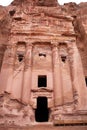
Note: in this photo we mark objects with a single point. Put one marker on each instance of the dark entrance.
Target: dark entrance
(42, 112)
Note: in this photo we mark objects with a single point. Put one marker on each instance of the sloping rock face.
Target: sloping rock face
(41, 47)
(80, 25)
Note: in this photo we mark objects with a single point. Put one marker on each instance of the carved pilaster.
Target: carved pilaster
(78, 79)
(58, 99)
(28, 56)
(7, 69)
(27, 74)
(65, 74)
(9, 56)
(11, 52)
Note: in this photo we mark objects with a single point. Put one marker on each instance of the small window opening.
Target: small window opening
(20, 57)
(12, 12)
(63, 58)
(42, 54)
(86, 80)
(42, 81)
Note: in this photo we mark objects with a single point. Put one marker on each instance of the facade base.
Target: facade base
(74, 119)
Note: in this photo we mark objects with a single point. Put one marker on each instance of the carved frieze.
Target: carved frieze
(42, 92)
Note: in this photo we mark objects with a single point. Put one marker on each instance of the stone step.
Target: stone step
(46, 127)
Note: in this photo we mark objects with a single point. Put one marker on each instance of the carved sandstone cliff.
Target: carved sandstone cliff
(39, 42)
(80, 25)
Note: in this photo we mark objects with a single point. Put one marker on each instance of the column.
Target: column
(11, 67)
(7, 70)
(67, 83)
(58, 99)
(78, 79)
(27, 75)
(18, 75)
(66, 75)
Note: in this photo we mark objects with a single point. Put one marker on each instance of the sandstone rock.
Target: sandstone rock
(42, 77)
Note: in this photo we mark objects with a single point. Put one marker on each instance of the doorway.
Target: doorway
(42, 111)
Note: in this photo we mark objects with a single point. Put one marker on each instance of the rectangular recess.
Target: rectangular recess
(42, 81)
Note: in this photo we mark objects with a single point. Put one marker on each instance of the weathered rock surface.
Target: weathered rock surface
(41, 40)
(80, 25)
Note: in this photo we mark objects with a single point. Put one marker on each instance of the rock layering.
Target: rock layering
(43, 62)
